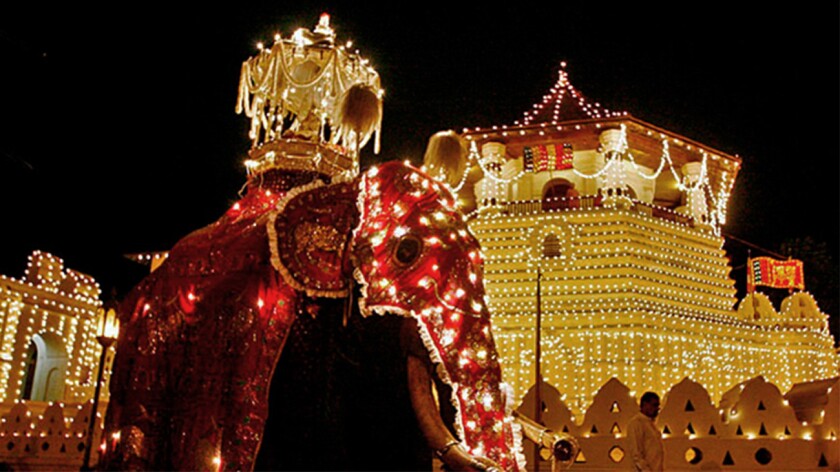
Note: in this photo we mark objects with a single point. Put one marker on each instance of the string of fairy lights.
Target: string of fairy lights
(664, 358)
(698, 186)
(562, 90)
(633, 231)
(625, 276)
(590, 245)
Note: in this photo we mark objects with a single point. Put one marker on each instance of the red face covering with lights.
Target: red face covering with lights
(416, 257)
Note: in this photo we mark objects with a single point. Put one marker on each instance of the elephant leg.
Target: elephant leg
(302, 431)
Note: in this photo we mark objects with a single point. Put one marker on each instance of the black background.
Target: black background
(119, 133)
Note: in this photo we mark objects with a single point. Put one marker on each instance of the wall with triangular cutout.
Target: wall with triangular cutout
(758, 409)
(757, 417)
(689, 403)
(612, 405)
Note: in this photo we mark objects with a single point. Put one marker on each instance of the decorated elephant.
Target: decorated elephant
(330, 319)
(202, 335)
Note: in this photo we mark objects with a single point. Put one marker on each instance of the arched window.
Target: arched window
(29, 373)
(551, 246)
(556, 194)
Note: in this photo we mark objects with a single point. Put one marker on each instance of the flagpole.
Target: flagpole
(751, 283)
(538, 369)
(790, 288)
(749, 274)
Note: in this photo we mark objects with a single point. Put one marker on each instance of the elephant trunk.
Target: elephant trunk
(446, 448)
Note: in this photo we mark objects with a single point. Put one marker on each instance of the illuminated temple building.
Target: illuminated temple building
(613, 226)
(622, 222)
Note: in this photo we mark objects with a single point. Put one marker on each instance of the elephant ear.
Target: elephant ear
(309, 234)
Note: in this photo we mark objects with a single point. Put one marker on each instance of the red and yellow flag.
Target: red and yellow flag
(774, 273)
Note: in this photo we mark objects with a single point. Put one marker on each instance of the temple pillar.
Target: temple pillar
(490, 192)
(695, 198)
(588, 163)
(614, 187)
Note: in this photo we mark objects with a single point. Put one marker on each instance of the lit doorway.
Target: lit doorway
(46, 369)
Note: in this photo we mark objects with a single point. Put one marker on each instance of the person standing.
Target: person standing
(644, 439)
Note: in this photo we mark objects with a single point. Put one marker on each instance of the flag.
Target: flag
(528, 158)
(566, 159)
(544, 157)
(775, 273)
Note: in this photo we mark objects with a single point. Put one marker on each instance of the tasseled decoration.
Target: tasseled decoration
(360, 114)
(446, 158)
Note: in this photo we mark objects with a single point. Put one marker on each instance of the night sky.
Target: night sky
(119, 131)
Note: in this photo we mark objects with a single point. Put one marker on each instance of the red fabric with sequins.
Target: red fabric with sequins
(202, 334)
(199, 340)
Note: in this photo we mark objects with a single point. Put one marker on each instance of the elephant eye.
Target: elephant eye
(408, 250)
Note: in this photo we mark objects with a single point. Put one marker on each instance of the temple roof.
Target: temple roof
(565, 103)
(565, 116)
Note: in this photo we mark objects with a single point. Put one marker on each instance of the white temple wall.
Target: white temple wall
(48, 436)
(644, 188)
(753, 428)
(59, 309)
(522, 189)
(588, 163)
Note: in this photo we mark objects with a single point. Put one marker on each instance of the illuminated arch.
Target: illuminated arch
(46, 369)
(556, 194)
(552, 246)
(553, 243)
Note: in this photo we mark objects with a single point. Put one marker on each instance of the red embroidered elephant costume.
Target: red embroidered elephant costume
(203, 333)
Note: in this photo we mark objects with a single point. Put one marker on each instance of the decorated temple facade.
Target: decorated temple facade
(613, 227)
(51, 318)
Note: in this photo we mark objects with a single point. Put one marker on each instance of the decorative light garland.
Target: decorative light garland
(677, 278)
(614, 170)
